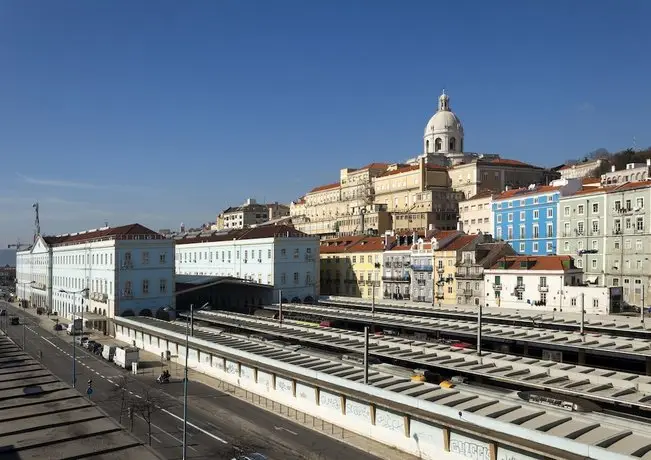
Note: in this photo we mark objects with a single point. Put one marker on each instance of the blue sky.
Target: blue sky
(166, 112)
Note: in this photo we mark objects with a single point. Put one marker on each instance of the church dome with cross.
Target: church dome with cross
(444, 131)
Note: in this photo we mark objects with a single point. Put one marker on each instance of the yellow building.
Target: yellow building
(445, 266)
(351, 266)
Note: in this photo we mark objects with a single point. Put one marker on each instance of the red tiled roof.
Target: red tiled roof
(408, 168)
(588, 190)
(482, 194)
(266, 231)
(368, 244)
(124, 232)
(560, 263)
(632, 186)
(590, 180)
(507, 162)
(321, 188)
(374, 166)
(525, 191)
(459, 243)
(338, 245)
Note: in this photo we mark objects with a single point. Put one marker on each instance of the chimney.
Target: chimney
(459, 226)
(612, 168)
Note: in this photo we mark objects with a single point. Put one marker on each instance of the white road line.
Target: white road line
(156, 439)
(216, 438)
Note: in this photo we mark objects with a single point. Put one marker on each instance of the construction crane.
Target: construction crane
(18, 245)
(37, 223)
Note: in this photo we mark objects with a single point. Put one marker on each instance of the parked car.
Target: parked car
(81, 340)
(90, 344)
(251, 456)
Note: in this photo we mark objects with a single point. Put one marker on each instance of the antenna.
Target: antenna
(37, 223)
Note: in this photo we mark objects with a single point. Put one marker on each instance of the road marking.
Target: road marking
(156, 439)
(216, 438)
(281, 428)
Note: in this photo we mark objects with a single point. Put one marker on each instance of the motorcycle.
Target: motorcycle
(163, 378)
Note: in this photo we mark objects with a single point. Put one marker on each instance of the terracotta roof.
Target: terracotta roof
(321, 188)
(266, 231)
(368, 244)
(525, 191)
(338, 245)
(124, 232)
(459, 243)
(590, 180)
(589, 190)
(443, 234)
(631, 186)
(560, 263)
(482, 194)
(374, 166)
(507, 162)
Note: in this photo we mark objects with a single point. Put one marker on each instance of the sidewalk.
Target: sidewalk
(151, 364)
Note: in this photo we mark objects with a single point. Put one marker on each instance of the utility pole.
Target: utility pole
(479, 321)
(192, 320)
(366, 355)
(185, 389)
(24, 327)
(642, 308)
(280, 307)
(583, 313)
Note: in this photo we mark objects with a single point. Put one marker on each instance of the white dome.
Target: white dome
(444, 132)
(443, 123)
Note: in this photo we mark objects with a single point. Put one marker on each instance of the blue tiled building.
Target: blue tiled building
(527, 218)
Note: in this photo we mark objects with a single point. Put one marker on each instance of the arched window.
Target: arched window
(453, 144)
(437, 144)
(427, 146)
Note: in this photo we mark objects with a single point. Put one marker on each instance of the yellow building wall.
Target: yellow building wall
(448, 260)
(363, 265)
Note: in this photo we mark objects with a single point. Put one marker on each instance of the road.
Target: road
(220, 426)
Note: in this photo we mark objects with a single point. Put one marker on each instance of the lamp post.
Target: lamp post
(74, 340)
(189, 321)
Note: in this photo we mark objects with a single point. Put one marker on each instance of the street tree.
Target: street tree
(147, 405)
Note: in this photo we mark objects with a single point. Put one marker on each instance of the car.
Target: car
(90, 344)
(58, 327)
(15, 320)
(251, 456)
(81, 340)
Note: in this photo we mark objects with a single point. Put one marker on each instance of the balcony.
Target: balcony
(421, 282)
(497, 287)
(466, 292)
(422, 268)
(440, 295)
(396, 296)
(39, 286)
(519, 287)
(127, 264)
(542, 288)
(440, 270)
(469, 273)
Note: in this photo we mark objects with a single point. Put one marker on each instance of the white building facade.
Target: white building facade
(476, 213)
(279, 256)
(545, 283)
(108, 272)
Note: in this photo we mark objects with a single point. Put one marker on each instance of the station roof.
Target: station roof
(583, 381)
(637, 349)
(40, 415)
(187, 281)
(613, 435)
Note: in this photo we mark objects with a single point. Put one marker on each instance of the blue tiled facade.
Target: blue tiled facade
(527, 219)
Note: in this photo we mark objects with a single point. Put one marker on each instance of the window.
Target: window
(566, 211)
(162, 286)
(628, 205)
(498, 233)
(566, 246)
(543, 281)
(308, 278)
(283, 279)
(595, 303)
(510, 217)
(550, 230)
(580, 228)
(361, 259)
(550, 213)
(522, 232)
(566, 229)
(536, 214)
(639, 203)
(615, 281)
(145, 257)
(580, 209)
(295, 277)
(594, 264)
(522, 217)
(535, 200)
(618, 226)
(536, 231)
(535, 247)
(543, 298)
(628, 223)
(639, 224)
(550, 246)
(296, 253)
(616, 245)
(283, 252)
(509, 232)
(354, 259)
(522, 248)
(595, 244)
(268, 253)
(638, 245)
(519, 295)
(618, 205)
(498, 280)
(246, 256)
(573, 301)
(595, 208)
(145, 286)
(499, 218)
(595, 227)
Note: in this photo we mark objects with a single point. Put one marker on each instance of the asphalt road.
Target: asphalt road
(219, 426)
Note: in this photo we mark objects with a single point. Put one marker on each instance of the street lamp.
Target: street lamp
(74, 340)
(185, 379)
